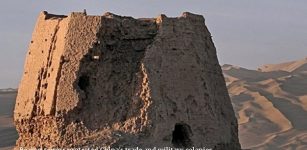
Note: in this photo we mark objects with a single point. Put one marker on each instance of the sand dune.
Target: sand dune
(294, 66)
(8, 134)
(270, 104)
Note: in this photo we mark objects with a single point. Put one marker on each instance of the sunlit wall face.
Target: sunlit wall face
(246, 33)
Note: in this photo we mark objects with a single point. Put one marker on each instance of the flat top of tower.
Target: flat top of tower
(187, 15)
(52, 16)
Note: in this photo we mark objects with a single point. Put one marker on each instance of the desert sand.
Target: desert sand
(8, 134)
(270, 104)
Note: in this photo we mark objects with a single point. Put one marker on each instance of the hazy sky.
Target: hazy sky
(247, 33)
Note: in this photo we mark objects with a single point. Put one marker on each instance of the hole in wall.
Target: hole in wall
(83, 82)
(96, 54)
(181, 135)
(96, 57)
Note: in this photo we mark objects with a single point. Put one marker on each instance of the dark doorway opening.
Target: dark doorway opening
(181, 136)
(83, 82)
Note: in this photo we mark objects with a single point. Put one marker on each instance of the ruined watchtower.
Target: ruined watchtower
(118, 81)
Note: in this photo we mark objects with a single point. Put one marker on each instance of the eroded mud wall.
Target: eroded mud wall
(118, 81)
